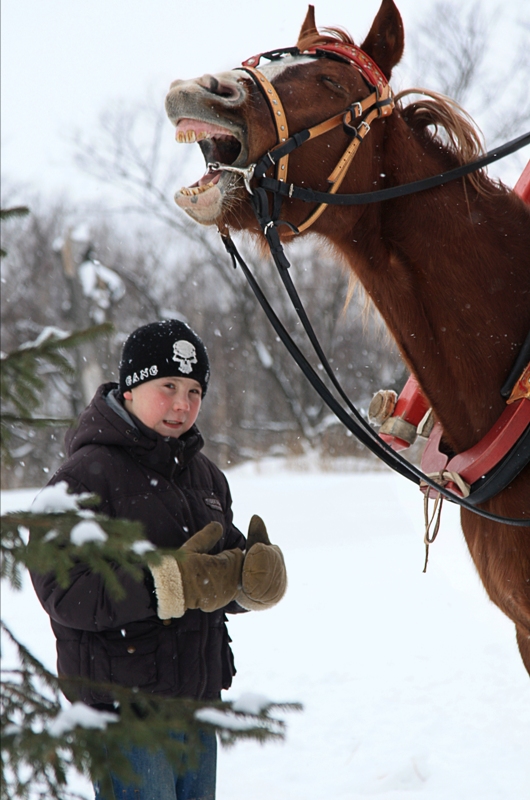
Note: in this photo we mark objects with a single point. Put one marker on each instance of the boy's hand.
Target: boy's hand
(198, 580)
(264, 579)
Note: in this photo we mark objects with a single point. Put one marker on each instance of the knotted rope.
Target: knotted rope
(443, 478)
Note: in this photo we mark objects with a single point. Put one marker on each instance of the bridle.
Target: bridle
(378, 103)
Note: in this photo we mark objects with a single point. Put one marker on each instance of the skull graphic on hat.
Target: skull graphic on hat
(185, 354)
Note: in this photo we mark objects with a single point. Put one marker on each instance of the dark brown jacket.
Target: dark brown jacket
(174, 490)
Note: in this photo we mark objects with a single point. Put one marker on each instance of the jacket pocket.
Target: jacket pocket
(126, 661)
(134, 663)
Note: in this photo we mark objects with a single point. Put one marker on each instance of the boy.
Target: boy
(137, 447)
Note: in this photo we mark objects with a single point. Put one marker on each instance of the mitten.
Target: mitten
(196, 579)
(264, 579)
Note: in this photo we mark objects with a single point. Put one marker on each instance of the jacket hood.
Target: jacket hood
(105, 422)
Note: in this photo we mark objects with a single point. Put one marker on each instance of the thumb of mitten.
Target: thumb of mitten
(257, 532)
(204, 540)
(264, 577)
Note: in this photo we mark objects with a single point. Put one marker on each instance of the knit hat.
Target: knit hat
(163, 349)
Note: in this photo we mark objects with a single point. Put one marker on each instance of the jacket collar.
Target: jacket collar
(105, 421)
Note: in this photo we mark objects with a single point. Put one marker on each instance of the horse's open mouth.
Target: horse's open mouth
(217, 144)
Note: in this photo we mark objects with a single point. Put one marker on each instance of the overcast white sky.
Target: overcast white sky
(64, 61)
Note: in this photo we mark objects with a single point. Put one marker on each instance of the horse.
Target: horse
(448, 268)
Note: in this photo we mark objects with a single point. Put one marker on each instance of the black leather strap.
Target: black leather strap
(362, 198)
(354, 422)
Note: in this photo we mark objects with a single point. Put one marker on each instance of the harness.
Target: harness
(378, 103)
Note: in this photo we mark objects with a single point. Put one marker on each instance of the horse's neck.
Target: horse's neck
(449, 272)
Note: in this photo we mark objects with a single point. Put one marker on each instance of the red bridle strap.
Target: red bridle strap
(357, 57)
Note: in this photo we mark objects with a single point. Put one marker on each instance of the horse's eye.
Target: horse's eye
(332, 84)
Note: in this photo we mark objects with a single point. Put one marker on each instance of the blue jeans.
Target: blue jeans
(161, 782)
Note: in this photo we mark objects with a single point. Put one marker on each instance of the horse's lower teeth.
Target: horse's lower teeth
(191, 190)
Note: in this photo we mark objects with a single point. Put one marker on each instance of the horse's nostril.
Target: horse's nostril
(221, 88)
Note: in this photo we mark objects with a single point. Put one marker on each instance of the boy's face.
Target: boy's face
(169, 406)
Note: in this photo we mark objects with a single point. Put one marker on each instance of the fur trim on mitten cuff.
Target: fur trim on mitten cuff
(169, 588)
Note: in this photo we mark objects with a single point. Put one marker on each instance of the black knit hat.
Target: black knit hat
(163, 349)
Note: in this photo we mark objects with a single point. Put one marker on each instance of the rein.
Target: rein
(354, 422)
(378, 104)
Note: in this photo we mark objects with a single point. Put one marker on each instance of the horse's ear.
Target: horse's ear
(386, 39)
(308, 29)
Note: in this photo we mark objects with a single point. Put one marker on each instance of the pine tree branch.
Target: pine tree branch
(50, 548)
(42, 741)
(20, 382)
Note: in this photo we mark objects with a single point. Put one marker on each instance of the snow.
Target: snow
(79, 714)
(53, 499)
(142, 546)
(251, 703)
(263, 354)
(100, 283)
(87, 531)
(49, 332)
(225, 719)
(411, 683)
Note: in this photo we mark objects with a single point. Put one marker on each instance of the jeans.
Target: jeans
(161, 782)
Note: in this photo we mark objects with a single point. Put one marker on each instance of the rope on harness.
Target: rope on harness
(443, 478)
(436, 518)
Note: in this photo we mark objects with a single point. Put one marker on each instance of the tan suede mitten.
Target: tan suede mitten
(197, 579)
(264, 580)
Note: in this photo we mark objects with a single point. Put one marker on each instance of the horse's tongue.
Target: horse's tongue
(187, 126)
(209, 177)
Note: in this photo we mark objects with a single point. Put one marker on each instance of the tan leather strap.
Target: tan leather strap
(339, 173)
(356, 110)
(278, 114)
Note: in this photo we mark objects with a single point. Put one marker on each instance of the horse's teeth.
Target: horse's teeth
(189, 191)
(190, 136)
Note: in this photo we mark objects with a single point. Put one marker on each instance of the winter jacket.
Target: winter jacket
(174, 490)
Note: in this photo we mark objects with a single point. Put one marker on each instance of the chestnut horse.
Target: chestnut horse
(448, 268)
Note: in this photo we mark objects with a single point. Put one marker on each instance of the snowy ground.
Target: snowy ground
(412, 684)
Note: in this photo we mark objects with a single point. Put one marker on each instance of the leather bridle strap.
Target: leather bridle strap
(380, 195)
(339, 173)
(278, 115)
(379, 103)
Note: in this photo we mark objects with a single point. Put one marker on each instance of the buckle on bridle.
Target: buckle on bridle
(247, 173)
(356, 110)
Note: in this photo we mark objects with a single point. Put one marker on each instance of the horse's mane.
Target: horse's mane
(439, 121)
(315, 38)
(442, 122)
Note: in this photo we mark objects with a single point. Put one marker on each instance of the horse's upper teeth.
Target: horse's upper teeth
(188, 137)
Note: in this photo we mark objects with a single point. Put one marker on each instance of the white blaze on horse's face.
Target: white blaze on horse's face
(273, 69)
(209, 111)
